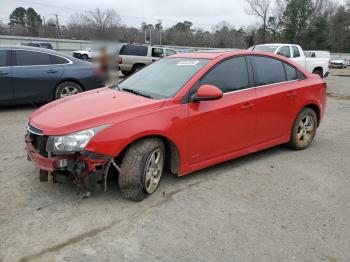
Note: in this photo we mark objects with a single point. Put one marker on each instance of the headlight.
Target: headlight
(74, 142)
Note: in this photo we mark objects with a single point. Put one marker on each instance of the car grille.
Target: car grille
(34, 130)
(39, 141)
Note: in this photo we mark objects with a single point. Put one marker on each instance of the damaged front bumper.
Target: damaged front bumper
(83, 168)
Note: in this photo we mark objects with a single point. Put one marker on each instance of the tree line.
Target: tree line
(314, 24)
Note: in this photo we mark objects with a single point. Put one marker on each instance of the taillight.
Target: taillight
(120, 60)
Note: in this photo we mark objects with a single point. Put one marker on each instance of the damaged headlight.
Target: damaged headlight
(74, 142)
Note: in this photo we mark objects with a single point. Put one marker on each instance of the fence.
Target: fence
(61, 45)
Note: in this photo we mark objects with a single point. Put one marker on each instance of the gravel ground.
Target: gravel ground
(275, 205)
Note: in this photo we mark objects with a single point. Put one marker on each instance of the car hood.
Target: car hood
(90, 109)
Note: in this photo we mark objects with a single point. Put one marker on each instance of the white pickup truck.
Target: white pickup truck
(318, 66)
(133, 57)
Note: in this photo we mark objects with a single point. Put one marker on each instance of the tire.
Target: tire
(138, 170)
(84, 57)
(318, 72)
(304, 129)
(137, 67)
(67, 88)
(126, 73)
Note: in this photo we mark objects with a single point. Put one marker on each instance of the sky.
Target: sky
(203, 14)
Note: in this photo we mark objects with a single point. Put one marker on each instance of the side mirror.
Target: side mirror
(206, 93)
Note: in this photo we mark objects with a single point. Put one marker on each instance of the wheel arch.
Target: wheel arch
(172, 154)
(67, 80)
(319, 68)
(314, 107)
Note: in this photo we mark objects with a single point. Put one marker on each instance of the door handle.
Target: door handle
(51, 71)
(247, 106)
(2, 73)
(292, 94)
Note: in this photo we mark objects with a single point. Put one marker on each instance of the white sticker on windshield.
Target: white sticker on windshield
(188, 62)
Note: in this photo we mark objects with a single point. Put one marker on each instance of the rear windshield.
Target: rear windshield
(134, 50)
(265, 48)
(164, 78)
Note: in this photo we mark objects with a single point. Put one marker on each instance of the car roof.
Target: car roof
(215, 54)
(203, 54)
(24, 47)
(44, 50)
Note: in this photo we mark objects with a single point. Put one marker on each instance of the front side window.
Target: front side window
(164, 78)
(27, 58)
(296, 52)
(3, 58)
(268, 70)
(230, 75)
(169, 52)
(284, 51)
(157, 52)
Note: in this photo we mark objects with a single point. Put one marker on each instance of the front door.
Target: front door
(34, 76)
(225, 125)
(5, 76)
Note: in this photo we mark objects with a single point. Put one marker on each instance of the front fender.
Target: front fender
(169, 123)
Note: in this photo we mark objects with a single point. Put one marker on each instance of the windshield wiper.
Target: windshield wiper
(115, 87)
(136, 92)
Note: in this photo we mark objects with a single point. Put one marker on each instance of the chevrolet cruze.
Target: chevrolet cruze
(182, 114)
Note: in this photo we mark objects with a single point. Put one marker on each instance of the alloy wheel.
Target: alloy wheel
(153, 170)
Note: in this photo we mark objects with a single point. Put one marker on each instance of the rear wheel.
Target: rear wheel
(67, 88)
(304, 129)
(84, 57)
(137, 67)
(141, 169)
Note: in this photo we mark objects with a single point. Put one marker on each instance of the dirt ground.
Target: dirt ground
(275, 205)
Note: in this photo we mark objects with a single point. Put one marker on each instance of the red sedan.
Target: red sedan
(182, 113)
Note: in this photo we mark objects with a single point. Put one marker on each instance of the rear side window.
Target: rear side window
(268, 70)
(296, 52)
(134, 50)
(284, 51)
(291, 72)
(26, 58)
(3, 58)
(229, 75)
(57, 60)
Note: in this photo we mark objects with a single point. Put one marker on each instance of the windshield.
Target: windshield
(265, 48)
(164, 78)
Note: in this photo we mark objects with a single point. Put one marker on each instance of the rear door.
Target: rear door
(6, 92)
(34, 75)
(276, 91)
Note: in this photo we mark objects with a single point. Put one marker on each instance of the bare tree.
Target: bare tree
(103, 19)
(261, 10)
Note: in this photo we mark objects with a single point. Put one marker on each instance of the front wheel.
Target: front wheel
(141, 169)
(304, 129)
